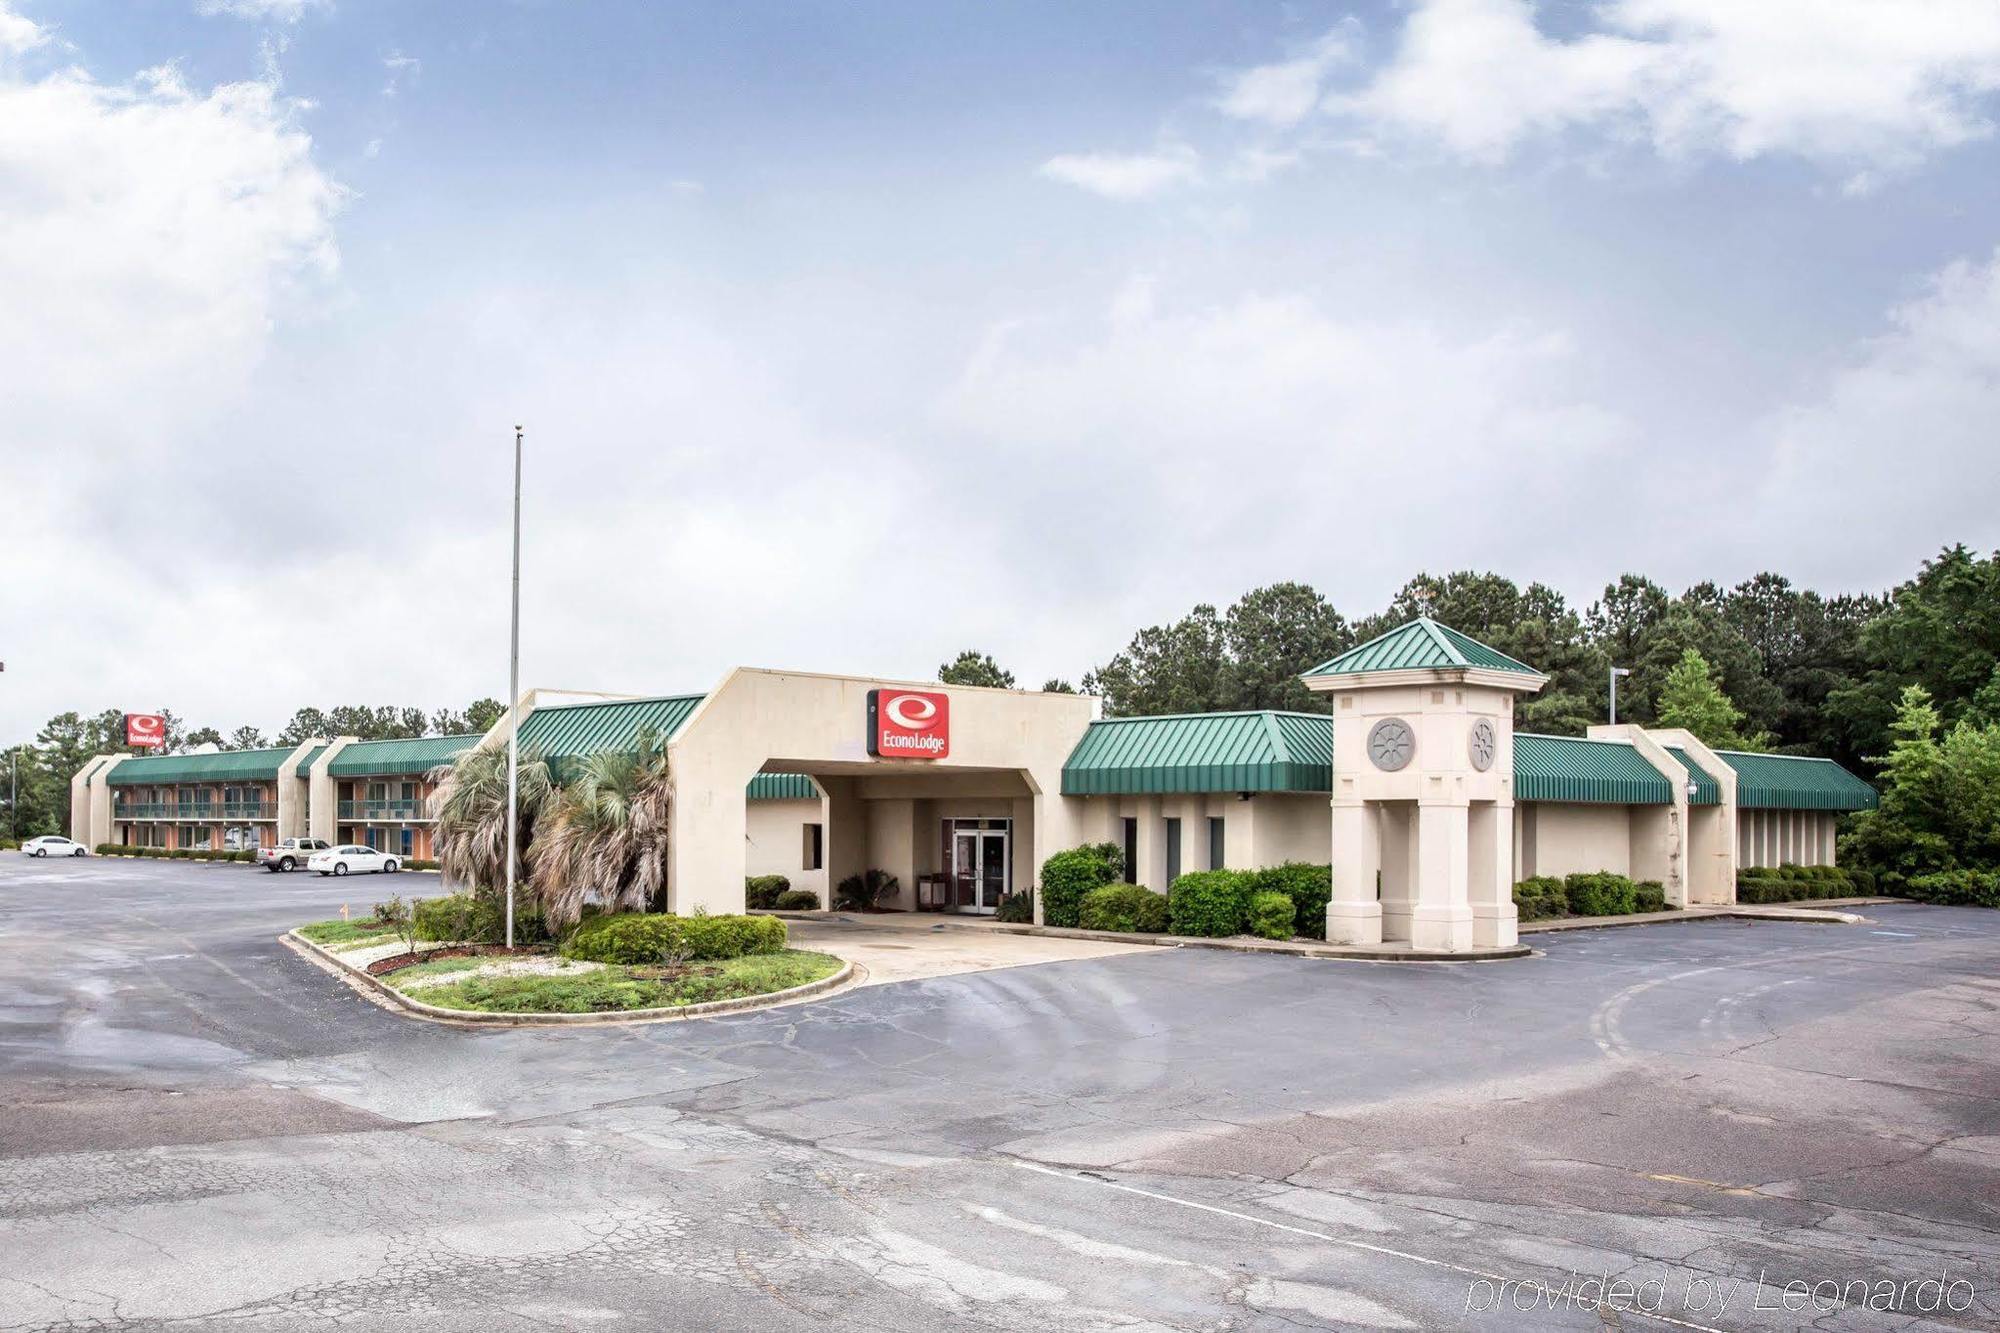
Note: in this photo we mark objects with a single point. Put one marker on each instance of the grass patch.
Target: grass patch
(613, 989)
(355, 934)
(439, 968)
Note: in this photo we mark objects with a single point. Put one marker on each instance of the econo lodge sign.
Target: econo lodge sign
(909, 724)
(145, 729)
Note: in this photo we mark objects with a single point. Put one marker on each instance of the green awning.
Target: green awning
(782, 787)
(571, 731)
(1202, 752)
(1794, 782)
(1707, 791)
(221, 766)
(399, 758)
(1571, 768)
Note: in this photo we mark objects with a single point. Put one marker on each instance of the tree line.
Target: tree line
(1763, 665)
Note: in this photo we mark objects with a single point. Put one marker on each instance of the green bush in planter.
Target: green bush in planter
(1599, 894)
(1067, 876)
(761, 892)
(1017, 909)
(1649, 895)
(1271, 915)
(1958, 888)
(652, 937)
(797, 900)
(476, 919)
(858, 893)
(1210, 903)
(1309, 887)
(1540, 897)
(1131, 908)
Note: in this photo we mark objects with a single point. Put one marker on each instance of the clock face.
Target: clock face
(1481, 744)
(1391, 744)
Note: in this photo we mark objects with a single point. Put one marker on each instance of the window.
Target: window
(1173, 851)
(1131, 851)
(409, 841)
(813, 856)
(1215, 842)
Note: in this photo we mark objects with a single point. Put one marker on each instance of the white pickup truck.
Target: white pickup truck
(290, 853)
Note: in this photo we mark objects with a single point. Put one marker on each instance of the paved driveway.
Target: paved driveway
(195, 1125)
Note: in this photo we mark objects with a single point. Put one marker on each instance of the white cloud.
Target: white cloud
(1284, 93)
(274, 11)
(401, 69)
(18, 34)
(1125, 175)
(1848, 82)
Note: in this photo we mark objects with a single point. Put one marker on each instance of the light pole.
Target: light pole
(514, 700)
(1616, 672)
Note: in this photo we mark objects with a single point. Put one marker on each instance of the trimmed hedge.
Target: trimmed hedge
(1209, 903)
(1540, 898)
(649, 937)
(1068, 876)
(175, 854)
(1600, 893)
(1271, 915)
(1792, 884)
(1131, 908)
(1958, 888)
(1310, 887)
(472, 919)
(797, 900)
(1649, 895)
(761, 892)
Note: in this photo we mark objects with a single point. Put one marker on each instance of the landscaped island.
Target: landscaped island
(445, 952)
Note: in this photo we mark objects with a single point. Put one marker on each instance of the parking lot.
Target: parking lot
(197, 1125)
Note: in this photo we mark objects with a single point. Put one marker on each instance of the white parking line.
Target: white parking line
(1363, 1245)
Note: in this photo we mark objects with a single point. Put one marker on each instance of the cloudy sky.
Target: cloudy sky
(851, 334)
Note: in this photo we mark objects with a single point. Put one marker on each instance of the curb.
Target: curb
(1232, 944)
(381, 992)
(1819, 913)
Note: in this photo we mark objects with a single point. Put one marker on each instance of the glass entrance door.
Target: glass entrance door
(981, 868)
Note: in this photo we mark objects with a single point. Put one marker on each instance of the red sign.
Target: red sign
(145, 729)
(909, 724)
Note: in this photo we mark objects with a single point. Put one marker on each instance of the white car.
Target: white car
(352, 860)
(51, 845)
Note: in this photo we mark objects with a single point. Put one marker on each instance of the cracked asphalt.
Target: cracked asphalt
(200, 1129)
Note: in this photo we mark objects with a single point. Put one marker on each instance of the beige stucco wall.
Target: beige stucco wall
(1285, 826)
(1575, 838)
(1768, 838)
(322, 800)
(795, 722)
(775, 837)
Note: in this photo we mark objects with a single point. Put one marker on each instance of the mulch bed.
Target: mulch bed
(397, 962)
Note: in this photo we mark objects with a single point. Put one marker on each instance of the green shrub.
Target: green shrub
(1309, 887)
(469, 918)
(1599, 893)
(858, 893)
(1131, 908)
(797, 900)
(1958, 888)
(417, 863)
(1540, 897)
(1016, 909)
(1790, 884)
(1271, 915)
(1649, 895)
(1863, 882)
(1068, 876)
(652, 937)
(1210, 903)
(761, 892)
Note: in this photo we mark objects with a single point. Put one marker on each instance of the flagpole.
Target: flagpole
(514, 701)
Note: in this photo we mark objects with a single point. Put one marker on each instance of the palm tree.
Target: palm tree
(604, 838)
(469, 803)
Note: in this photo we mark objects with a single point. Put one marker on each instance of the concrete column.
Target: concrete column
(292, 793)
(1442, 915)
(1354, 913)
(1398, 857)
(323, 794)
(1489, 877)
(847, 850)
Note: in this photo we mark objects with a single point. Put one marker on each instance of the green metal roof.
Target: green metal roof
(1570, 768)
(1422, 644)
(310, 758)
(1707, 791)
(398, 757)
(571, 731)
(221, 766)
(1202, 752)
(782, 787)
(1787, 782)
